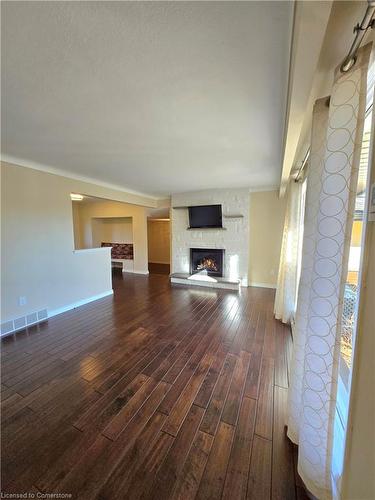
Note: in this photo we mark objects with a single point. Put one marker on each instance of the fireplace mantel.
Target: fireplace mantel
(196, 280)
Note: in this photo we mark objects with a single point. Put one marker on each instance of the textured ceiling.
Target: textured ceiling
(157, 97)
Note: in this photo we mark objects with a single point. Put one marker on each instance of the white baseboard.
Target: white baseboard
(133, 271)
(79, 303)
(262, 285)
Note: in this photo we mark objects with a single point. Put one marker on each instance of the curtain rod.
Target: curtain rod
(360, 31)
(303, 165)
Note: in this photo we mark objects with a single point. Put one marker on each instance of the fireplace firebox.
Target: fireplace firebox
(208, 261)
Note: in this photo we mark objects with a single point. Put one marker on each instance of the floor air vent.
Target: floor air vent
(19, 323)
(22, 322)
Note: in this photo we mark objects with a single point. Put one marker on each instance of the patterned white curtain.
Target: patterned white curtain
(290, 256)
(331, 186)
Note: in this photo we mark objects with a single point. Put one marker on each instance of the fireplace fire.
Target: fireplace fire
(207, 261)
(208, 264)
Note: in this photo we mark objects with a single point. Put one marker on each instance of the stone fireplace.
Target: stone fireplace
(214, 257)
(207, 261)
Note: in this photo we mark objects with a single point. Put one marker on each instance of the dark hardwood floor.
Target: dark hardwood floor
(157, 392)
(158, 268)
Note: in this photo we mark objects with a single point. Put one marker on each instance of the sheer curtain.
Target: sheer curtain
(333, 171)
(290, 256)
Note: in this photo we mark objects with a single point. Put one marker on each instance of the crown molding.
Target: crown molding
(65, 173)
(261, 189)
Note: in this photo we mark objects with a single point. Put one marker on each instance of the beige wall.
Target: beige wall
(159, 241)
(267, 212)
(112, 209)
(111, 230)
(38, 260)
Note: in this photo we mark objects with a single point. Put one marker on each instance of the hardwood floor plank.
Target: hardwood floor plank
(253, 376)
(98, 463)
(233, 402)
(40, 377)
(173, 464)
(239, 461)
(215, 408)
(264, 419)
(184, 402)
(205, 392)
(187, 483)
(86, 476)
(123, 417)
(145, 412)
(140, 484)
(133, 461)
(111, 403)
(269, 345)
(10, 405)
(259, 484)
(283, 483)
(37, 459)
(281, 365)
(41, 440)
(213, 478)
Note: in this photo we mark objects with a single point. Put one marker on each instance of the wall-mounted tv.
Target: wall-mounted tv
(205, 216)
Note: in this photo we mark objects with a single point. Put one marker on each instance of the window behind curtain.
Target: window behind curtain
(351, 294)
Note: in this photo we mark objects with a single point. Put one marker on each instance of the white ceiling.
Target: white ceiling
(156, 97)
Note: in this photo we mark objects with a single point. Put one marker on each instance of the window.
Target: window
(351, 293)
(351, 302)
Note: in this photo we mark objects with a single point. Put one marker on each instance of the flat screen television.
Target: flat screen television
(205, 216)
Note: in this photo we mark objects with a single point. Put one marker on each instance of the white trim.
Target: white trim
(65, 173)
(136, 272)
(261, 189)
(79, 303)
(89, 250)
(262, 285)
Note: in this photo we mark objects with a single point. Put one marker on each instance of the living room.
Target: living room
(187, 243)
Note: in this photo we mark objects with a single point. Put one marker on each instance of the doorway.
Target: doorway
(159, 242)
